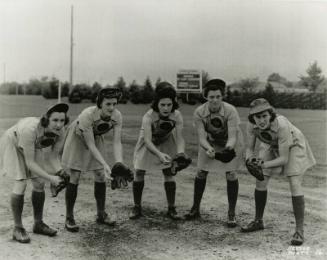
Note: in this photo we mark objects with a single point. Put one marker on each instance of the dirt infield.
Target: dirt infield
(157, 237)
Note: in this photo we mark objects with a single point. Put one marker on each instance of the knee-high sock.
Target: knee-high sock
(260, 198)
(17, 205)
(232, 193)
(199, 187)
(100, 196)
(38, 199)
(70, 197)
(137, 192)
(298, 208)
(170, 188)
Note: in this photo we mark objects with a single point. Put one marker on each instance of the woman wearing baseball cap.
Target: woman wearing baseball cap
(159, 141)
(30, 151)
(283, 149)
(85, 151)
(218, 128)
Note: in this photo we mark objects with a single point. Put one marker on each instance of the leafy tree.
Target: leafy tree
(314, 78)
(148, 92)
(135, 93)
(94, 90)
(121, 84)
(158, 81)
(248, 85)
(205, 77)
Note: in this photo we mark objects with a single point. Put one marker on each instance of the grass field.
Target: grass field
(156, 237)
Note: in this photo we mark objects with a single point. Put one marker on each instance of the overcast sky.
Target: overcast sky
(156, 38)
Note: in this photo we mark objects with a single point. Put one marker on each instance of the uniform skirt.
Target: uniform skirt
(212, 165)
(300, 158)
(145, 160)
(76, 154)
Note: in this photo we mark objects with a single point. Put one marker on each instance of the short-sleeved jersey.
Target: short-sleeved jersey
(217, 124)
(90, 120)
(161, 128)
(281, 131)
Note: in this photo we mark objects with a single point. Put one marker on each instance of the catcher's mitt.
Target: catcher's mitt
(225, 155)
(254, 167)
(180, 162)
(121, 174)
(55, 189)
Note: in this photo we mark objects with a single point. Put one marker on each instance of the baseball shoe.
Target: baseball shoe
(43, 229)
(20, 235)
(172, 214)
(105, 219)
(253, 226)
(193, 214)
(136, 213)
(231, 220)
(71, 225)
(298, 238)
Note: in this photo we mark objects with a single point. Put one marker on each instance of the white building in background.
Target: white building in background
(278, 87)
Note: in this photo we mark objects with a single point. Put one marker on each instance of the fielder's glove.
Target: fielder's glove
(55, 189)
(253, 165)
(225, 155)
(180, 162)
(121, 174)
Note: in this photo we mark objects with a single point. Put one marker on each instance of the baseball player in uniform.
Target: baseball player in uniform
(85, 151)
(30, 151)
(217, 124)
(283, 149)
(159, 141)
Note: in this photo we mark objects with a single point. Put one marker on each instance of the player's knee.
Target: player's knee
(19, 187)
(74, 176)
(262, 185)
(99, 176)
(38, 184)
(296, 185)
(231, 176)
(201, 174)
(139, 175)
(169, 178)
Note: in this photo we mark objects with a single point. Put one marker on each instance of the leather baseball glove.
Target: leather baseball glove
(180, 162)
(55, 189)
(225, 155)
(253, 165)
(121, 174)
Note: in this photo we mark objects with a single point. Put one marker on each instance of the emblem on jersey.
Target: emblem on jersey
(46, 140)
(267, 136)
(101, 127)
(216, 127)
(161, 130)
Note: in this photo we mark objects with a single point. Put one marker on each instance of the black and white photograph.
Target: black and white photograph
(160, 130)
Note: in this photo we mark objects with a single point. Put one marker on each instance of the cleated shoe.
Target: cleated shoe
(105, 219)
(231, 221)
(194, 214)
(71, 225)
(253, 226)
(21, 235)
(136, 213)
(43, 229)
(172, 214)
(298, 238)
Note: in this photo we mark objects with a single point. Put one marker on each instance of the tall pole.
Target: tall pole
(71, 50)
(4, 73)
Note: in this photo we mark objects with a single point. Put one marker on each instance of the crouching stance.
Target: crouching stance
(283, 149)
(30, 150)
(85, 151)
(220, 146)
(159, 141)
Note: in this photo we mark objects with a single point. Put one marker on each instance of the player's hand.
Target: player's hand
(107, 172)
(55, 180)
(165, 158)
(211, 153)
